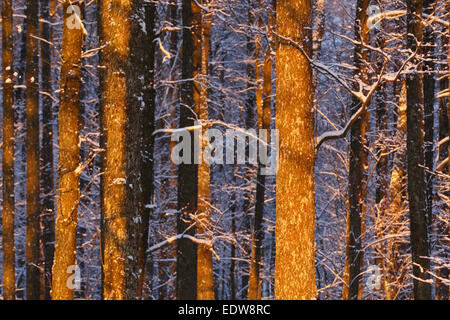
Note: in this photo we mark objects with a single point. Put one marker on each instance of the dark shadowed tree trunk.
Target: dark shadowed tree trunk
(263, 104)
(188, 173)
(47, 185)
(32, 148)
(148, 126)
(428, 95)
(358, 163)
(415, 154)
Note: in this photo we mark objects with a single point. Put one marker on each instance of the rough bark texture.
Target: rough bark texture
(188, 173)
(318, 29)
(9, 287)
(415, 154)
(205, 281)
(69, 161)
(428, 94)
(148, 126)
(47, 185)
(32, 147)
(358, 163)
(121, 119)
(294, 268)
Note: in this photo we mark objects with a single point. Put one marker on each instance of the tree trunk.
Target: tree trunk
(32, 146)
(121, 81)
(205, 281)
(148, 126)
(188, 173)
(69, 158)
(9, 285)
(396, 212)
(319, 29)
(295, 260)
(47, 185)
(415, 154)
(428, 94)
(358, 163)
(263, 104)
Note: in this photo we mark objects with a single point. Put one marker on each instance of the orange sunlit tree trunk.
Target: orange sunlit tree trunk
(124, 43)
(205, 281)
(9, 286)
(295, 208)
(69, 158)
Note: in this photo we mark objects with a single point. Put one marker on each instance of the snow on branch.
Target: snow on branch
(203, 242)
(339, 134)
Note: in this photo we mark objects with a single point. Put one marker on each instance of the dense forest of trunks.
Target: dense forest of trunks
(332, 116)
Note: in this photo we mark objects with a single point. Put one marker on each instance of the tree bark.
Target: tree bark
(122, 83)
(69, 158)
(358, 163)
(148, 126)
(33, 273)
(47, 185)
(188, 173)
(295, 259)
(9, 286)
(205, 281)
(428, 94)
(415, 154)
